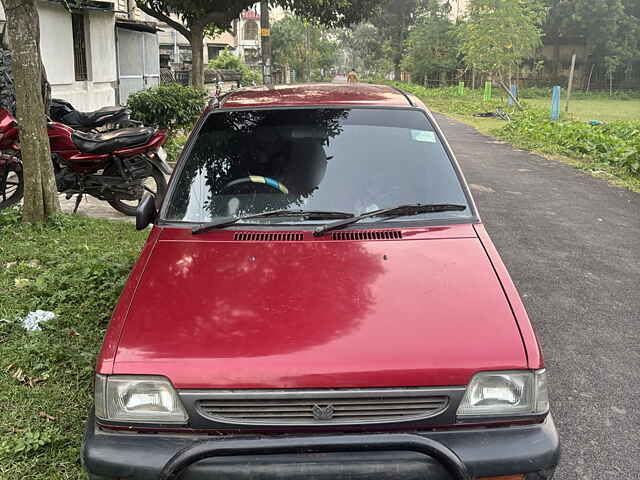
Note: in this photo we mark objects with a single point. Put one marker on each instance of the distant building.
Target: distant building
(248, 39)
(243, 38)
(456, 8)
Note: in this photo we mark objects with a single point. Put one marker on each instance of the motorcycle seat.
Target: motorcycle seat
(63, 111)
(100, 116)
(101, 143)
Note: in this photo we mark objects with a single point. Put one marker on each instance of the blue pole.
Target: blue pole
(514, 92)
(555, 104)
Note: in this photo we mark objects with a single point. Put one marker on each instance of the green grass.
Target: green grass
(586, 109)
(74, 267)
(610, 151)
(483, 125)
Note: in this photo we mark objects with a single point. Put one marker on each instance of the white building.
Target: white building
(80, 54)
(457, 8)
(243, 38)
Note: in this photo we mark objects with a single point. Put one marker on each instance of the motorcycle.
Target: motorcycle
(11, 181)
(117, 166)
(105, 118)
(218, 91)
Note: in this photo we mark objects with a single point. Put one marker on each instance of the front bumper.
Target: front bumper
(442, 455)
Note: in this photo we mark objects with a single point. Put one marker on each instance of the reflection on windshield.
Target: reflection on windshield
(357, 161)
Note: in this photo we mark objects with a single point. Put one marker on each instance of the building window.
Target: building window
(79, 47)
(214, 51)
(185, 53)
(168, 50)
(251, 30)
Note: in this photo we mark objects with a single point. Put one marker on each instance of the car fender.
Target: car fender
(529, 339)
(159, 164)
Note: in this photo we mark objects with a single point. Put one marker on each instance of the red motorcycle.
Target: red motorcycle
(117, 166)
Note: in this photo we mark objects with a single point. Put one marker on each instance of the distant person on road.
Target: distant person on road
(352, 76)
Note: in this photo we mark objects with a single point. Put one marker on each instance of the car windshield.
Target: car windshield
(314, 159)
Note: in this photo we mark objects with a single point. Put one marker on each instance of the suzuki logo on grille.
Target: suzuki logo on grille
(322, 413)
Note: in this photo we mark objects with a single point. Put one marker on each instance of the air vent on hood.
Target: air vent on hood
(268, 237)
(367, 235)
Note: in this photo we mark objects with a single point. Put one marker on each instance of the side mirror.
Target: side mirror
(146, 212)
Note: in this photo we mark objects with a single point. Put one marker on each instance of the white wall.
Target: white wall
(166, 36)
(56, 44)
(102, 56)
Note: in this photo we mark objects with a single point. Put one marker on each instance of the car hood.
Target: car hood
(213, 312)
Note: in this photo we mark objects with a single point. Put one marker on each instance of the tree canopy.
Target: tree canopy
(365, 50)
(304, 46)
(394, 24)
(610, 28)
(500, 34)
(228, 61)
(432, 45)
(192, 17)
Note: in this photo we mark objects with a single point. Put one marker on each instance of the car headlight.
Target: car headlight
(500, 394)
(138, 398)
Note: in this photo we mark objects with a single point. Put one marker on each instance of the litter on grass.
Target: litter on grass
(33, 320)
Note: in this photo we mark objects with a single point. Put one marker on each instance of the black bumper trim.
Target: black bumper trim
(331, 444)
(489, 452)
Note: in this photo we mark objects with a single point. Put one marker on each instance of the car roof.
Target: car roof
(320, 94)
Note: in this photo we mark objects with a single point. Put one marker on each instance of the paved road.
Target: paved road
(572, 245)
(92, 207)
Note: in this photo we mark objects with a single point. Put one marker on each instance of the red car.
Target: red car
(318, 299)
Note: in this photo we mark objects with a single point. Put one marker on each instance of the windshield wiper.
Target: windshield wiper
(399, 211)
(307, 214)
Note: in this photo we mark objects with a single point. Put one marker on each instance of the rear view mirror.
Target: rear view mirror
(146, 212)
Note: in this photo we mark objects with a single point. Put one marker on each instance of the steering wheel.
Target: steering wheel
(257, 179)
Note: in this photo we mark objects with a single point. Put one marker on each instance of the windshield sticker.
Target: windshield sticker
(423, 136)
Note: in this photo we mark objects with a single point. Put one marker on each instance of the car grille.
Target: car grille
(315, 407)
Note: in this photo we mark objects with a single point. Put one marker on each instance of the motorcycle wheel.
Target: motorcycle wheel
(13, 186)
(155, 184)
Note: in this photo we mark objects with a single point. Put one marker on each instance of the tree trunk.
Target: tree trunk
(46, 88)
(40, 194)
(265, 42)
(508, 90)
(396, 70)
(589, 79)
(197, 56)
(307, 53)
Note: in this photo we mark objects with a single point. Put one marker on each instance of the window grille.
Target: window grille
(251, 30)
(79, 47)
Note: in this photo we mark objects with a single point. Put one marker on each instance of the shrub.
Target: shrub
(616, 144)
(447, 100)
(545, 92)
(174, 146)
(169, 107)
(228, 61)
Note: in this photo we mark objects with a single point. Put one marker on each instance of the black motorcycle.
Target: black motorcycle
(103, 119)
